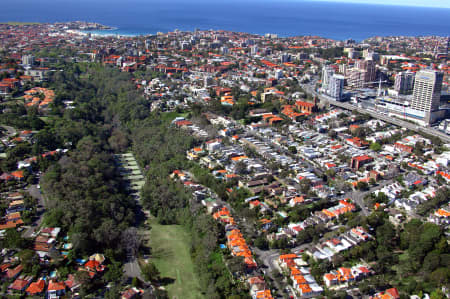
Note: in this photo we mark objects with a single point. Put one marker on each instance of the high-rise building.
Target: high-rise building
(250, 42)
(278, 74)
(148, 43)
(185, 45)
(427, 91)
(368, 66)
(355, 78)
(404, 82)
(208, 81)
(327, 73)
(336, 86)
(363, 72)
(352, 54)
(254, 50)
(28, 60)
(224, 50)
(343, 69)
(285, 57)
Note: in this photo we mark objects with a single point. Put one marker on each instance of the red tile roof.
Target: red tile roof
(36, 287)
(56, 286)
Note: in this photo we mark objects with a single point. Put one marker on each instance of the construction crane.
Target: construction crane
(379, 85)
(373, 82)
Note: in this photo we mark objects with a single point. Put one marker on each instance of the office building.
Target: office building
(254, 50)
(368, 66)
(327, 73)
(404, 82)
(286, 57)
(185, 45)
(427, 91)
(208, 81)
(427, 94)
(278, 74)
(28, 60)
(224, 50)
(363, 74)
(336, 86)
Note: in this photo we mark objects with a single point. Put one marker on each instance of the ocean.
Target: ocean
(284, 17)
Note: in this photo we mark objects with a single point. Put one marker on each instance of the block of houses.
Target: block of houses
(15, 206)
(359, 161)
(132, 293)
(55, 289)
(330, 279)
(13, 273)
(20, 284)
(391, 293)
(36, 288)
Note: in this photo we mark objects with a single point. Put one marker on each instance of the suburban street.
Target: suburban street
(11, 131)
(132, 269)
(411, 126)
(358, 196)
(35, 192)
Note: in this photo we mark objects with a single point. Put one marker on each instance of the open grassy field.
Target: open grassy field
(170, 254)
(169, 116)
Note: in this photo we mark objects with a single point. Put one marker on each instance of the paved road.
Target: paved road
(269, 259)
(36, 193)
(11, 131)
(444, 137)
(358, 196)
(132, 269)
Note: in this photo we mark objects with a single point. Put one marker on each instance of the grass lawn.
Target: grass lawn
(45, 119)
(171, 255)
(403, 257)
(169, 116)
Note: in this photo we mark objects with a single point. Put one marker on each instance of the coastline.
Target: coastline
(289, 19)
(113, 31)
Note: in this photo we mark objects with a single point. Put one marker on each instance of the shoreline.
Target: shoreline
(113, 31)
(108, 32)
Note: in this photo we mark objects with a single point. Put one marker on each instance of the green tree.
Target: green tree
(375, 146)
(28, 258)
(150, 272)
(13, 239)
(362, 185)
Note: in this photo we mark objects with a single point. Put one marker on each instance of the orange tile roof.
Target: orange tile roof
(56, 286)
(330, 276)
(19, 284)
(36, 287)
(443, 213)
(288, 256)
(17, 174)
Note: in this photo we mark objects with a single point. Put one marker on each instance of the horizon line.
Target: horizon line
(377, 3)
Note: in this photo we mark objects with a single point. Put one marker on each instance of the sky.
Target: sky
(426, 3)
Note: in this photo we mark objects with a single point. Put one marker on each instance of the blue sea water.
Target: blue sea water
(283, 17)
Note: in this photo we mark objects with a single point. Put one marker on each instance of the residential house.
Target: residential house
(55, 289)
(36, 288)
(13, 273)
(20, 284)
